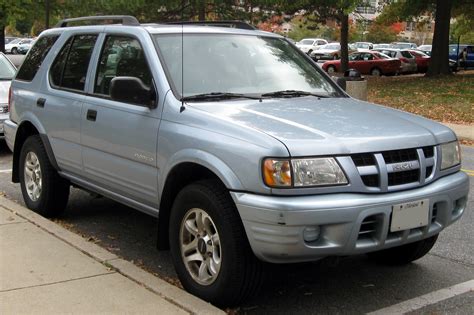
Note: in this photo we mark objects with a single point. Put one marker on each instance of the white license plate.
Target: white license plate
(410, 215)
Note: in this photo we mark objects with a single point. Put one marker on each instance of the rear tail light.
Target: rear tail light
(9, 99)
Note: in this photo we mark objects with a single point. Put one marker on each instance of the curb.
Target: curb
(462, 131)
(169, 292)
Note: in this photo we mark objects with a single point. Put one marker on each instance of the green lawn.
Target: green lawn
(447, 99)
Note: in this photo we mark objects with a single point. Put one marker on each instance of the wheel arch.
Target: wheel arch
(376, 67)
(182, 173)
(26, 129)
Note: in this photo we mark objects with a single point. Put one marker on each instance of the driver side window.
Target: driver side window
(121, 56)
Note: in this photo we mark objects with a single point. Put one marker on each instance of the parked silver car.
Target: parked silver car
(7, 72)
(237, 141)
(408, 61)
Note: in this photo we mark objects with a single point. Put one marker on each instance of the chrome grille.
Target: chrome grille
(3, 109)
(396, 169)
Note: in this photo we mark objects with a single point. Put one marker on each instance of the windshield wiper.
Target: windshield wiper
(218, 96)
(291, 93)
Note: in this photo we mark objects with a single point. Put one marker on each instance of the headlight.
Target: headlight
(277, 173)
(450, 155)
(304, 172)
(317, 172)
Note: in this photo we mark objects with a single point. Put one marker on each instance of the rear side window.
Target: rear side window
(35, 57)
(406, 54)
(69, 70)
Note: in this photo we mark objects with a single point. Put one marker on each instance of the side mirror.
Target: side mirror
(132, 90)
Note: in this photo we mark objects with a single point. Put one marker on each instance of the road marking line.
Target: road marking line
(468, 172)
(427, 299)
(5, 171)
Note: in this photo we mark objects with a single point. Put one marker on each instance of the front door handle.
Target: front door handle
(40, 102)
(91, 115)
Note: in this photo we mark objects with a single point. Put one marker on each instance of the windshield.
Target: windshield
(306, 42)
(243, 64)
(15, 41)
(381, 55)
(7, 71)
(332, 46)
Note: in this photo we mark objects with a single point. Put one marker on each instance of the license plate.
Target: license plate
(410, 215)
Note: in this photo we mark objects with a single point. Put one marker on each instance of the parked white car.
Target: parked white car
(7, 72)
(12, 47)
(330, 51)
(308, 45)
(408, 61)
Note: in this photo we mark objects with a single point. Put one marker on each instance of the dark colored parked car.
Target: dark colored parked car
(372, 62)
(455, 51)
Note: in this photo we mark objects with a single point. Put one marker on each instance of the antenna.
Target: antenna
(182, 108)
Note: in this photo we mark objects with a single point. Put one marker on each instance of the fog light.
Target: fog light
(311, 233)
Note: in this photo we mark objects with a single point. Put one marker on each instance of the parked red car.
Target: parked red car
(422, 60)
(370, 62)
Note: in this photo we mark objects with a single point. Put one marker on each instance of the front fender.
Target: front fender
(205, 159)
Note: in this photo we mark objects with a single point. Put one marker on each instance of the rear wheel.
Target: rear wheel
(209, 247)
(376, 72)
(44, 191)
(404, 254)
(331, 69)
(14, 50)
(335, 57)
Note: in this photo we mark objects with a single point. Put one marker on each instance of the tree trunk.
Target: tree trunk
(202, 10)
(344, 18)
(439, 63)
(2, 38)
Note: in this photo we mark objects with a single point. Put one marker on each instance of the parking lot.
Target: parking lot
(347, 285)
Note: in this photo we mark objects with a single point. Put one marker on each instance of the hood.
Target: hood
(311, 126)
(4, 88)
(327, 51)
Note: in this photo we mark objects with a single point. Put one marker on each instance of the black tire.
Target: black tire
(14, 51)
(376, 72)
(404, 254)
(55, 190)
(333, 69)
(240, 274)
(335, 57)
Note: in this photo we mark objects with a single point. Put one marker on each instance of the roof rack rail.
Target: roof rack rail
(231, 24)
(124, 19)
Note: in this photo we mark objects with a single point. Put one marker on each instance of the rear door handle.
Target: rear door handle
(91, 115)
(40, 102)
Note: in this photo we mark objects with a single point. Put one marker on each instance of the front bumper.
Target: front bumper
(9, 129)
(3, 118)
(275, 225)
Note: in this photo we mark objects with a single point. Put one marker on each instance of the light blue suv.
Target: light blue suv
(241, 146)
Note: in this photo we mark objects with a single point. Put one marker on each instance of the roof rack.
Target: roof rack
(231, 24)
(124, 19)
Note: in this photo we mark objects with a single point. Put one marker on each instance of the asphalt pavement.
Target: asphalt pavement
(349, 285)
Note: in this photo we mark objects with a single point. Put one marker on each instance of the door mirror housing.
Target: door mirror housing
(132, 90)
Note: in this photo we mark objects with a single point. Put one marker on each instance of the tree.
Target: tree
(10, 11)
(337, 10)
(442, 10)
(381, 33)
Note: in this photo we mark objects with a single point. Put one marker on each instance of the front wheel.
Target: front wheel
(209, 247)
(14, 51)
(331, 69)
(44, 191)
(404, 254)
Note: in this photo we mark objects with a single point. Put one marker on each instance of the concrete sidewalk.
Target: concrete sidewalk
(462, 131)
(49, 270)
